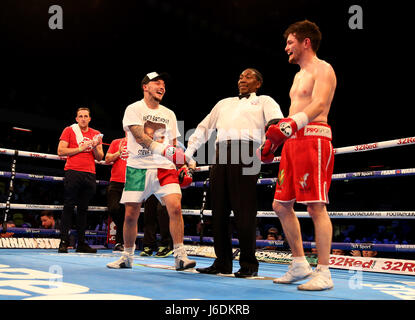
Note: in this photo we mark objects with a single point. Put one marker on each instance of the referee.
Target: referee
(239, 122)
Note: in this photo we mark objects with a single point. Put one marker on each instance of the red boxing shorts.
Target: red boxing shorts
(306, 166)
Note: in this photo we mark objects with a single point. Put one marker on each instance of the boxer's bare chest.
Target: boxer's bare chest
(301, 91)
(303, 85)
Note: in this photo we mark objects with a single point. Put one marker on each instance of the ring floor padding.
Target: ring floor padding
(45, 274)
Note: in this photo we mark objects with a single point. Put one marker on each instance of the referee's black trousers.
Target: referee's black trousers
(231, 189)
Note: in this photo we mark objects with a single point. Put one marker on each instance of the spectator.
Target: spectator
(48, 220)
(258, 234)
(338, 252)
(18, 219)
(271, 236)
(364, 253)
(273, 231)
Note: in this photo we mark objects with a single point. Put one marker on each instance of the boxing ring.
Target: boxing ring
(32, 269)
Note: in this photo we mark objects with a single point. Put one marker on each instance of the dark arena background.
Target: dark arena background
(97, 58)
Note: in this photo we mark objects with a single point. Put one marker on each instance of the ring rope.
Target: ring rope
(49, 232)
(38, 155)
(21, 206)
(263, 181)
(332, 214)
(260, 214)
(351, 149)
(382, 247)
(341, 176)
(38, 177)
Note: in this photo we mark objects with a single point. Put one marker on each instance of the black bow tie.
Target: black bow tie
(245, 95)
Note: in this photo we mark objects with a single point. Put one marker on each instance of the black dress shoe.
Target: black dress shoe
(85, 248)
(245, 273)
(212, 270)
(63, 247)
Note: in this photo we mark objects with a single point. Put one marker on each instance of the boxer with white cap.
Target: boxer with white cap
(152, 168)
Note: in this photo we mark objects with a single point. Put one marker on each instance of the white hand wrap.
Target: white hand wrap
(301, 119)
(156, 148)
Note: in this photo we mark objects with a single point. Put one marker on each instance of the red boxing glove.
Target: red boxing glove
(185, 177)
(278, 133)
(286, 128)
(175, 155)
(266, 152)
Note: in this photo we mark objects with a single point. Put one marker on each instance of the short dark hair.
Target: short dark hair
(305, 29)
(83, 108)
(47, 213)
(258, 75)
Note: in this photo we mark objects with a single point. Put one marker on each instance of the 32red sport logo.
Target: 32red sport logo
(399, 266)
(396, 266)
(351, 262)
(364, 147)
(406, 140)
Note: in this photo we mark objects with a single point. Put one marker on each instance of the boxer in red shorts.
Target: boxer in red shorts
(307, 155)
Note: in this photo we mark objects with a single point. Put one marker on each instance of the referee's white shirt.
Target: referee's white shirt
(236, 119)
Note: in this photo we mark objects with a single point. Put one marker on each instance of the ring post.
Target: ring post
(11, 191)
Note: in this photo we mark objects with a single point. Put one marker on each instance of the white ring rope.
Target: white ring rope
(57, 207)
(351, 149)
(260, 214)
(38, 155)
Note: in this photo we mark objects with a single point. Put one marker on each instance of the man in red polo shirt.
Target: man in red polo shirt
(82, 145)
(117, 154)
